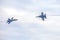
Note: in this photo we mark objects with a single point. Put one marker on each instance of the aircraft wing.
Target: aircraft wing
(43, 19)
(8, 21)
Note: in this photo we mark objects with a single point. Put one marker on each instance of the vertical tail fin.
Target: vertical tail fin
(45, 16)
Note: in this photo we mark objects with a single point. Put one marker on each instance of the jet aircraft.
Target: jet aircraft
(11, 20)
(42, 16)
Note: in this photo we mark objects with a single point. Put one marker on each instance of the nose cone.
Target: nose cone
(8, 21)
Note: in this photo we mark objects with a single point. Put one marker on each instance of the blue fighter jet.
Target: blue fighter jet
(11, 20)
(42, 16)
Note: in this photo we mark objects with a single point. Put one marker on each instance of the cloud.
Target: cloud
(28, 27)
(52, 23)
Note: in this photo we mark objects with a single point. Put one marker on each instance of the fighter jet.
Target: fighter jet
(11, 20)
(42, 16)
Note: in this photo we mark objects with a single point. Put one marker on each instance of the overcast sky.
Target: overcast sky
(28, 27)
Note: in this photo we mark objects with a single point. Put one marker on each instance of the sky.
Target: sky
(28, 26)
